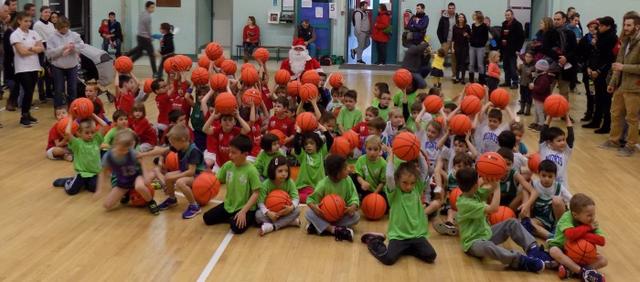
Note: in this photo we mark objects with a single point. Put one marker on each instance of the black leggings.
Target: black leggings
(418, 247)
(144, 44)
(76, 184)
(218, 214)
(28, 82)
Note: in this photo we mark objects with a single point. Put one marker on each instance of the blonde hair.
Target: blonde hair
(395, 112)
(494, 54)
(179, 132)
(373, 140)
(126, 138)
(516, 125)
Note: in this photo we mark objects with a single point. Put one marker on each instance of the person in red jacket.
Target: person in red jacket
(147, 136)
(382, 33)
(250, 37)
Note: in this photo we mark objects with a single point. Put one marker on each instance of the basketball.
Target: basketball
(308, 92)
(213, 51)
(433, 104)
(341, 146)
(402, 78)
(218, 62)
(81, 108)
(249, 76)
(311, 76)
(204, 62)
(61, 126)
(229, 67)
(226, 103)
(282, 77)
(147, 85)
(499, 98)
(247, 65)
(293, 87)
(205, 187)
(294, 171)
(534, 162)
(277, 200)
(491, 166)
(168, 65)
(171, 162)
(251, 97)
(374, 206)
(581, 251)
(278, 133)
(475, 89)
(333, 207)
(336, 80)
(307, 121)
(136, 200)
(453, 198)
(556, 105)
(261, 55)
(470, 105)
(440, 120)
(353, 137)
(503, 213)
(406, 146)
(200, 76)
(218, 82)
(460, 124)
(123, 64)
(182, 63)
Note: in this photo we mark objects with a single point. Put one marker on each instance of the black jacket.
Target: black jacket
(415, 57)
(585, 51)
(166, 44)
(443, 27)
(604, 51)
(9, 70)
(513, 34)
(553, 48)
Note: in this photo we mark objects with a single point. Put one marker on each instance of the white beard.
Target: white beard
(298, 60)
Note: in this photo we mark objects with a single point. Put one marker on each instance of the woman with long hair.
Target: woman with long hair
(478, 42)
(250, 37)
(461, 36)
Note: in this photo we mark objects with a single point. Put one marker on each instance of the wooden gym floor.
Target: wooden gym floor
(46, 235)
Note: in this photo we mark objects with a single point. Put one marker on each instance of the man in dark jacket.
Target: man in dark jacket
(115, 29)
(511, 40)
(561, 48)
(417, 60)
(418, 25)
(445, 32)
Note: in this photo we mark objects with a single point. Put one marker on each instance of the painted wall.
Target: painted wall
(270, 34)
(100, 10)
(590, 10)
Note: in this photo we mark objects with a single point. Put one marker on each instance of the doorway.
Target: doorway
(79, 14)
(222, 23)
(369, 55)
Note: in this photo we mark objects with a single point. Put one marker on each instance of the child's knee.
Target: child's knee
(602, 261)
(556, 252)
(557, 202)
(236, 229)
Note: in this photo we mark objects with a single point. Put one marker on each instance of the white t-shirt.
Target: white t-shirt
(487, 138)
(28, 40)
(45, 30)
(546, 193)
(560, 158)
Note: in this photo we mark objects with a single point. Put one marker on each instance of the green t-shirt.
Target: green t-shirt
(411, 124)
(472, 219)
(566, 221)
(262, 162)
(383, 113)
(311, 167)
(343, 188)
(406, 216)
(86, 155)
(268, 186)
(111, 134)
(411, 97)
(348, 119)
(241, 182)
(372, 171)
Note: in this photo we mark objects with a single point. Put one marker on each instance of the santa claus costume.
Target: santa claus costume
(299, 60)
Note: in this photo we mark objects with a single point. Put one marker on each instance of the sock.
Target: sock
(266, 228)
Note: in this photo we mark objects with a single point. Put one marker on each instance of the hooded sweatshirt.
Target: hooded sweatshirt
(55, 49)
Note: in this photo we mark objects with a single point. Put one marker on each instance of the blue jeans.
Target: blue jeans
(60, 76)
(312, 50)
(117, 45)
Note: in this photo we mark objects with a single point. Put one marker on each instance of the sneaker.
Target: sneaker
(526, 223)
(168, 203)
(538, 252)
(602, 130)
(592, 275)
(60, 182)
(343, 233)
(153, 207)
(311, 229)
(362, 62)
(191, 211)
(370, 236)
(25, 122)
(531, 264)
(609, 145)
(125, 199)
(564, 272)
(353, 54)
(626, 151)
(32, 119)
(446, 228)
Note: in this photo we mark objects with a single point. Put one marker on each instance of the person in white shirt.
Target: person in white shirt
(45, 29)
(63, 51)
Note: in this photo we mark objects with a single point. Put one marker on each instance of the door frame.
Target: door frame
(392, 58)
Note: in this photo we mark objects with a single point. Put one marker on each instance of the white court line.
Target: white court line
(215, 257)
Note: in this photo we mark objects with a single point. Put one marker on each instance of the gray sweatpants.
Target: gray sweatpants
(364, 40)
(321, 225)
(476, 59)
(281, 222)
(539, 107)
(501, 232)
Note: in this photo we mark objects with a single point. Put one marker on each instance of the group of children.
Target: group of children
(256, 149)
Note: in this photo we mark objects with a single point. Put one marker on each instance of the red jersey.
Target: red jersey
(220, 141)
(99, 108)
(164, 104)
(363, 131)
(265, 97)
(256, 136)
(286, 125)
(178, 100)
(53, 135)
(125, 101)
(145, 131)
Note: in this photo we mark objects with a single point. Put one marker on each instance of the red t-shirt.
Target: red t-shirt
(97, 104)
(265, 97)
(164, 104)
(221, 141)
(179, 101)
(256, 136)
(124, 102)
(286, 125)
(146, 133)
(53, 135)
(363, 131)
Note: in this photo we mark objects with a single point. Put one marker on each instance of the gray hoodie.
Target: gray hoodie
(362, 24)
(55, 48)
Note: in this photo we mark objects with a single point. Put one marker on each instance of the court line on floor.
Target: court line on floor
(215, 257)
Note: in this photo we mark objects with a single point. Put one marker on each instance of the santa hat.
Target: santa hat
(298, 42)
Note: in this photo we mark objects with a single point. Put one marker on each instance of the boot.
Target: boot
(462, 77)
(482, 78)
(522, 106)
(527, 109)
(588, 115)
(472, 78)
(606, 124)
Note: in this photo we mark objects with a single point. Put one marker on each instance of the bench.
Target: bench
(272, 49)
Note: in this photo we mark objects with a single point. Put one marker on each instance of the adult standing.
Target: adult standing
(624, 86)
(418, 25)
(45, 29)
(586, 50)
(362, 31)
(13, 8)
(382, 33)
(417, 61)
(8, 67)
(602, 57)
(561, 48)
(511, 40)
(115, 35)
(308, 35)
(54, 17)
(250, 38)
(4, 19)
(445, 32)
(460, 38)
(63, 50)
(27, 44)
(144, 36)
(478, 43)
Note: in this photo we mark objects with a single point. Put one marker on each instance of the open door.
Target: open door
(369, 55)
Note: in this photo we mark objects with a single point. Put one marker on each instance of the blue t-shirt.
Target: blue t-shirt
(125, 168)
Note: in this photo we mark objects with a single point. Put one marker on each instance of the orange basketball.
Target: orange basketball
(433, 104)
(460, 124)
(310, 76)
(534, 162)
(249, 76)
(282, 77)
(307, 121)
(402, 78)
(503, 213)
(556, 105)
(251, 97)
(200, 76)
(277, 200)
(470, 105)
(61, 126)
(440, 120)
(308, 92)
(406, 146)
(374, 206)
(136, 200)
(247, 65)
(213, 51)
(278, 133)
(123, 64)
(168, 65)
(147, 85)
(229, 67)
(336, 80)
(205, 187)
(333, 207)
(499, 98)
(353, 137)
(171, 162)
(453, 198)
(491, 166)
(81, 108)
(293, 87)
(581, 251)
(475, 89)
(218, 62)
(341, 146)
(218, 82)
(182, 63)
(261, 55)
(203, 61)
(226, 103)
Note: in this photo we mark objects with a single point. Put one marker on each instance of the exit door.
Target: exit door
(370, 55)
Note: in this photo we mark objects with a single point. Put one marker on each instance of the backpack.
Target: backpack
(353, 16)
